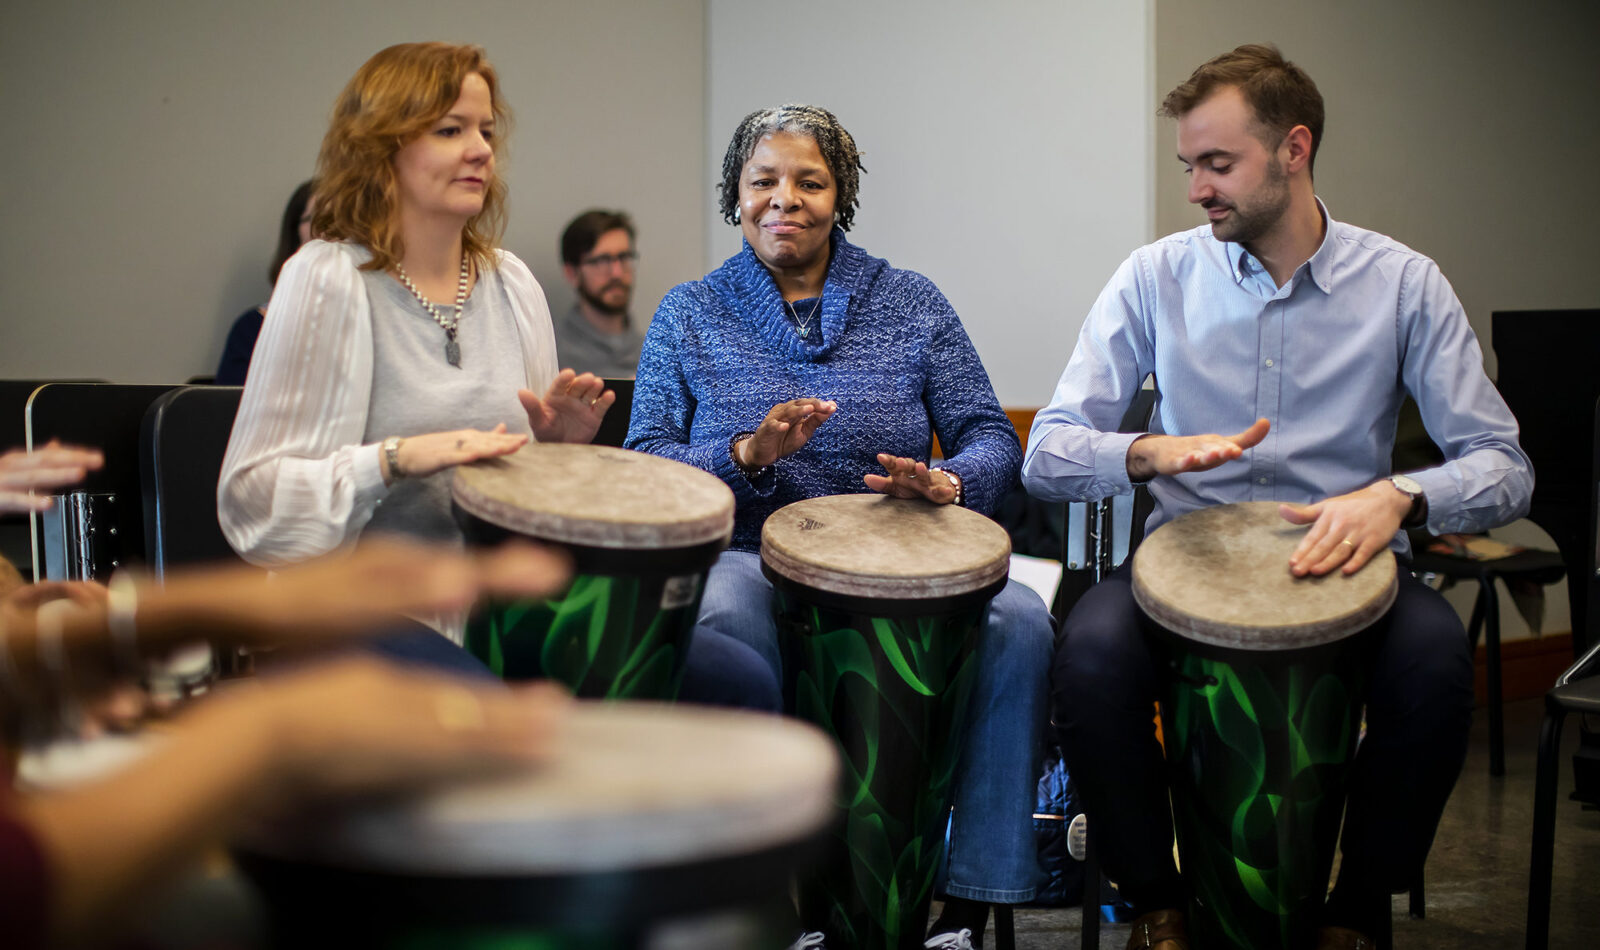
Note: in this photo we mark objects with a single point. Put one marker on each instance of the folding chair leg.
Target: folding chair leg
(1491, 624)
(1090, 938)
(1540, 865)
(1418, 907)
(1005, 935)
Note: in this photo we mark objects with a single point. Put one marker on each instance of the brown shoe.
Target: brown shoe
(1159, 930)
(1343, 938)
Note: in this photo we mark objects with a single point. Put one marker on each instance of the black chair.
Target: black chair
(614, 427)
(98, 525)
(182, 440)
(1576, 691)
(1546, 374)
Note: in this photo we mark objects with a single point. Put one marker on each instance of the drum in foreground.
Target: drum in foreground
(1260, 715)
(650, 817)
(643, 532)
(879, 605)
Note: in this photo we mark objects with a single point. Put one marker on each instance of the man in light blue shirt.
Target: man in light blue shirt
(1282, 343)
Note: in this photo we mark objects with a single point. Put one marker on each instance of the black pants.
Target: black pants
(1419, 708)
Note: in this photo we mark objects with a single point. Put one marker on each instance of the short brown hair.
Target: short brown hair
(394, 97)
(1280, 92)
(586, 230)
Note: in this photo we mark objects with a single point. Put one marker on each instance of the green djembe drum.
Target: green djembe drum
(1260, 715)
(649, 816)
(880, 602)
(642, 531)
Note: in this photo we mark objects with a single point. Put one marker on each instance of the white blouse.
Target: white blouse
(297, 481)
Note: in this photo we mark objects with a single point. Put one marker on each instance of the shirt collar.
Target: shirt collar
(1319, 267)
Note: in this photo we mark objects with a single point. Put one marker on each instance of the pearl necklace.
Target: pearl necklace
(452, 349)
(799, 324)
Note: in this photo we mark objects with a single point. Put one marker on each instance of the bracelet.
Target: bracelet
(122, 604)
(955, 479)
(391, 454)
(751, 473)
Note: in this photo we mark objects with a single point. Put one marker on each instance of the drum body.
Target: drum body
(1260, 714)
(650, 818)
(642, 531)
(880, 603)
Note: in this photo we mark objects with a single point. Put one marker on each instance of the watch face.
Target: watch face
(1406, 484)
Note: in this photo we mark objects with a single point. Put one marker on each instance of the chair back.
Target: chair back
(614, 427)
(98, 525)
(184, 436)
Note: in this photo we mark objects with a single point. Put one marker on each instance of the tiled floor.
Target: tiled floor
(1477, 874)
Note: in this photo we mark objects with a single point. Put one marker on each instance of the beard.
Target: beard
(597, 300)
(1249, 222)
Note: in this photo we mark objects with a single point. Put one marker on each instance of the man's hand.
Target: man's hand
(1348, 529)
(570, 410)
(54, 466)
(1153, 455)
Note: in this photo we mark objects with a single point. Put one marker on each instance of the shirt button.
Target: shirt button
(1262, 480)
(1269, 362)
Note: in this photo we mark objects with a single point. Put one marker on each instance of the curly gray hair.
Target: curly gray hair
(837, 147)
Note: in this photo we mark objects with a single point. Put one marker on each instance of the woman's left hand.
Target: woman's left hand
(571, 409)
(909, 478)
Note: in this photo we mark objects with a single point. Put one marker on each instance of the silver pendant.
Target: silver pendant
(802, 332)
(452, 351)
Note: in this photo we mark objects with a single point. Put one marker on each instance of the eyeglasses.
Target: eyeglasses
(605, 262)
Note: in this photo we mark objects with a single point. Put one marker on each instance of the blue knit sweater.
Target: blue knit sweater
(721, 352)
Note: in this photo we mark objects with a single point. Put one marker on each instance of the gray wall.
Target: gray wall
(155, 142)
(1467, 129)
(1007, 147)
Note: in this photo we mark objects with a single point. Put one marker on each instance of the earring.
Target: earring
(737, 214)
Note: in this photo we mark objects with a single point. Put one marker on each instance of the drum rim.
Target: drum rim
(811, 574)
(592, 532)
(1247, 637)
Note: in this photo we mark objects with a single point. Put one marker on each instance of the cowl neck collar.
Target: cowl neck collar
(759, 302)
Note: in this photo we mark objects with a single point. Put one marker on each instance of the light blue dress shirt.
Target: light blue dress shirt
(1327, 358)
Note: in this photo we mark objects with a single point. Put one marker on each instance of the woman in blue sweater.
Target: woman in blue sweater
(803, 366)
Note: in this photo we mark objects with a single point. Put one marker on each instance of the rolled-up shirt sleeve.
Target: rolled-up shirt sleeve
(1074, 451)
(297, 481)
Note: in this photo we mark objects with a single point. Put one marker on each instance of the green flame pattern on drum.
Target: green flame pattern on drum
(893, 694)
(606, 638)
(1261, 755)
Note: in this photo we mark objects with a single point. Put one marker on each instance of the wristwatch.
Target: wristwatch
(1409, 487)
(391, 454)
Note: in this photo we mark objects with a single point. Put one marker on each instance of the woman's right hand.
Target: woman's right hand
(423, 455)
(362, 725)
(54, 466)
(785, 431)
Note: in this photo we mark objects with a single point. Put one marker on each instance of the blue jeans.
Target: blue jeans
(991, 856)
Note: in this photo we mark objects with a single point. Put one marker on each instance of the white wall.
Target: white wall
(1007, 146)
(154, 143)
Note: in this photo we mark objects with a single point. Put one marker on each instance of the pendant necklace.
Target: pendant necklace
(452, 349)
(799, 324)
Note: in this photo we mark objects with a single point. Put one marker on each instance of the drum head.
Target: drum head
(872, 545)
(1221, 576)
(596, 496)
(636, 785)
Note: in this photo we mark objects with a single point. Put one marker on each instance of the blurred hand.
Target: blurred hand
(423, 455)
(909, 478)
(53, 466)
(1346, 529)
(785, 430)
(571, 408)
(362, 725)
(1153, 455)
(343, 595)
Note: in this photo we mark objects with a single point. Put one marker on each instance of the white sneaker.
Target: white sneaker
(960, 940)
(809, 941)
(1078, 837)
